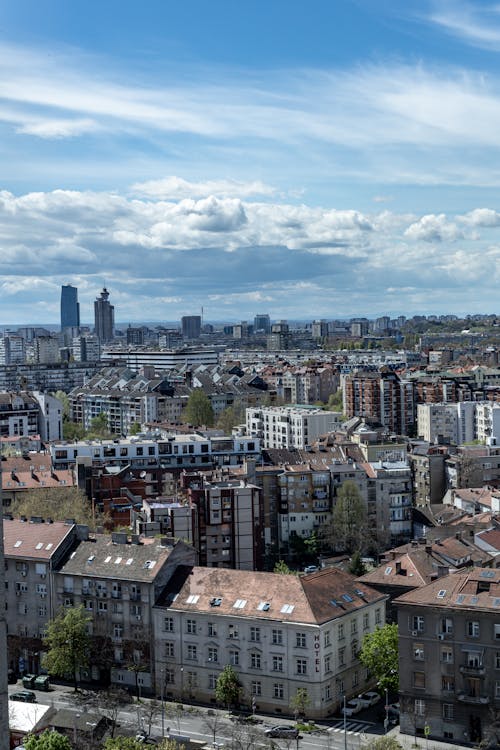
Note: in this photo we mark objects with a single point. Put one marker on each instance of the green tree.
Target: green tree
(68, 643)
(299, 703)
(48, 740)
(335, 402)
(356, 565)
(123, 743)
(58, 503)
(228, 687)
(348, 529)
(73, 431)
(198, 411)
(231, 417)
(379, 654)
(282, 567)
(135, 428)
(99, 427)
(63, 397)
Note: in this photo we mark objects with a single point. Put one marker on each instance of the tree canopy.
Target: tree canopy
(348, 529)
(198, 411)
(48, 740)
(300, 702)
(379, 653)
(228, 687)
(382, 743)
(231, 417)
(58, 503)
(68, 643)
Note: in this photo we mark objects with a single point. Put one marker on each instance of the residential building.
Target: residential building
(262, 324)
(449, 655)
(118, 581)
(51, 377)
(28, 414)
(427, 463)
(70, 308)
(280, 633)
(382, 397)
(446, 422)
(86, 348)
(488, 423)
(104, 318)
(136, 359)
(290, 426)
(12, 350)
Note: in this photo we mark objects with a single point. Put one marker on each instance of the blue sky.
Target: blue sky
(310, 160)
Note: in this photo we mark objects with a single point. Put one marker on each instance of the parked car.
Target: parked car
(11, 677)
(352, 707)
(311, 569)
(282, 731)
(42, 682)
(393, 713)
(26, 696)
(368, 699)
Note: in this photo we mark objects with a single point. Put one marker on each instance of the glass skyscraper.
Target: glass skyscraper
(70, 308)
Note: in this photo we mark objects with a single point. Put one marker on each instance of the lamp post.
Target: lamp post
(345, 724)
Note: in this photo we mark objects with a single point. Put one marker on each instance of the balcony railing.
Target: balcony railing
(473, 671)
(478, 700)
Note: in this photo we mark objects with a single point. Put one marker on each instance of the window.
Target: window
(497, 632)
(234, 658)
(341, 631)
(377, 617)
(278, 690)
(355, 679)
(300, 640)
(233, 631)
(366, 621)
(169, 648)
(447, 625)
(277, 637)
(447, 684)
(326, 640)
(256, 688)
(354, 650)
(419, 707)
(191, 627)
(354, 627)
(497, 688)
(212, 630)
(255, 661)
(168, 624)
(341, 656)
(418, 651)
(169, 676)
(328, 666)
(417, 623)
(419, 679)
(497, 660)
(473, 629)
(301, 666)
(447, 655)
(212, 654)
(448, 711)
(277, 664)
(255, 634)
(212, 681)
(191, 652)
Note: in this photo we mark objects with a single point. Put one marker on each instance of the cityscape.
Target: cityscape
(250, 375)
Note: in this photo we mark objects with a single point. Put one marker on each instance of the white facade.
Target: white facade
(50, 418)
(452, 421)
(488, 422)
(135, 359)
(290, 426)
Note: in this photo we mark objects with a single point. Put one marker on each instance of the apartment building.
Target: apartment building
(280, 633)
(449, 655)
(33, 551)
(118, 580)
(382, 397)
(305, 501)
(27, 414)
(487, 425)
(290, 427)
(446, 422)
(138, 358)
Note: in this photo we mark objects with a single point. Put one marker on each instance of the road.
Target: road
(199, 724)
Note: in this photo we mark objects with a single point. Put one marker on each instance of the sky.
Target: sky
(306, 160)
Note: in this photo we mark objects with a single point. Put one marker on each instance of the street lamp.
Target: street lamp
(345, 724)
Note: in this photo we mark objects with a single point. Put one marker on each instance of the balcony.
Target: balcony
(477, 700)
(470, 670)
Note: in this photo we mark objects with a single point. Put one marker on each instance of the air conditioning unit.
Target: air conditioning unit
(441, 636)
(414, 633)
(43, 596)
(138, 618)
(23, 573)
(43, 575)
(18, 593)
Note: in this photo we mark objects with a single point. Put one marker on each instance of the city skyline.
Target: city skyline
(322, 162)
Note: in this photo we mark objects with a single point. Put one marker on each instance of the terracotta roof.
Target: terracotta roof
(33, 540)
(37, 479)
(465, 590)
(491, 537)
(314, 599)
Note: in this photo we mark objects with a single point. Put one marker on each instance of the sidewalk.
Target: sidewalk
(408, 742)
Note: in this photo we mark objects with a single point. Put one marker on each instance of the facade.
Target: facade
(70, 307)
(262, 324)
(191, 326)
(28, 414)
(46, 350)
(53, 377)
(118, 580)
(86, 348)
(136, 359)
(305, 502)
(280, 634)
(12, 350)
(488, 423)
(447, 422)
(449, 652)
(104, 318)
(382, 397)
(290, 426)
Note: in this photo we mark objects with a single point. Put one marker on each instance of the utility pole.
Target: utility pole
(4, 694)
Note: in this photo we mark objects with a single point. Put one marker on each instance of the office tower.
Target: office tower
(104, 317)
(70, 308)
(191, 326)
(262, 323)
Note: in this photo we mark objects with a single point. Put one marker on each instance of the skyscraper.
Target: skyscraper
(191, 326)
(70, 309)
(104, 317)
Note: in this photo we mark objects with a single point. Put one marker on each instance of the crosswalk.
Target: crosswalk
(353, 727)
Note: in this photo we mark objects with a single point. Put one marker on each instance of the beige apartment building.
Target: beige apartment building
(279, 632)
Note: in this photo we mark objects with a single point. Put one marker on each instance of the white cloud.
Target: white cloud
(48, 128)
(433, 228)
(475, 24)
(175, 188)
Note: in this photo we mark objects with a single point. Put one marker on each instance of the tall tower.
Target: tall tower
(104, 317)
(191, 326)
(70, 308)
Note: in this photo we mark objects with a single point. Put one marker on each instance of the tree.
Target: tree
(109, 703)
(231, 417)
(335, 402)
(379, 653)
(123, 743)
(135, 428)
(48, 740)
(228, 687)
(169, 744)
(299, 703)
(99, 426)
(356, 565)
(58, 503)
(198, 411)
(382, 743)
(348, 529)
(214, 722)
(68, 643)
(73, 430)
(282, 567)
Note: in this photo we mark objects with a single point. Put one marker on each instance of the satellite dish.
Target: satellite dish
(142, 475)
